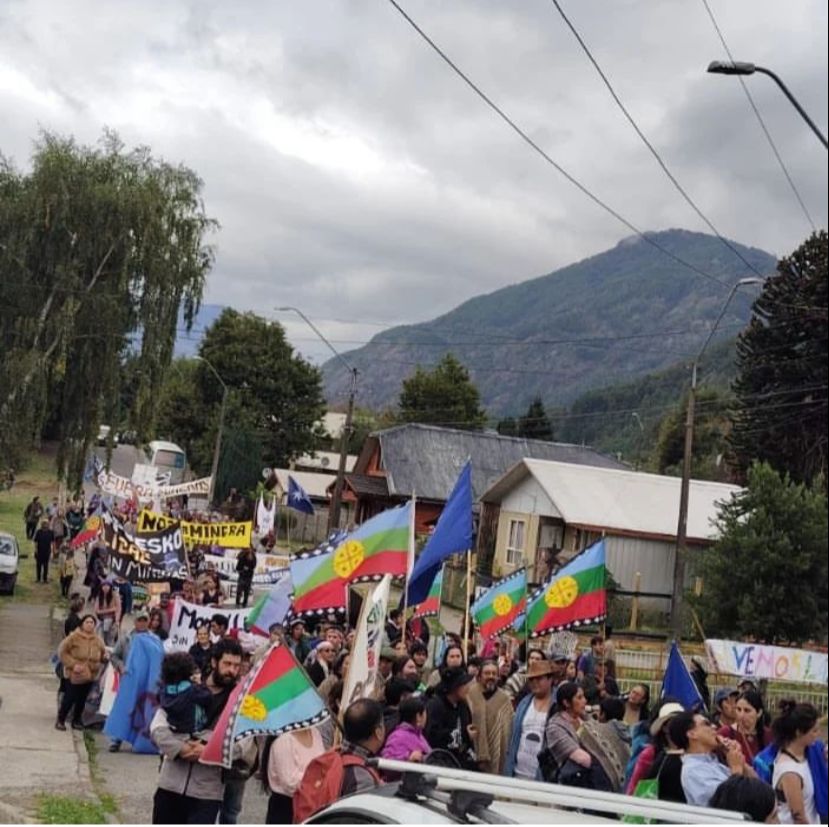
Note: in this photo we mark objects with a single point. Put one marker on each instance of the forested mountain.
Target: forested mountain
(614, 317)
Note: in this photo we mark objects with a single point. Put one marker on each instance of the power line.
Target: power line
(528, 140)
(680, 189)
(760, 119)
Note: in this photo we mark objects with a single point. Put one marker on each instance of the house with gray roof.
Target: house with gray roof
(425, 460)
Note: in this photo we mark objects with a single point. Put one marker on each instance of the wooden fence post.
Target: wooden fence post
(634, 604)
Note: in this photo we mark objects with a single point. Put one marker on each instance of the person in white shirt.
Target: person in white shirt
(795, 730)
(530, 722)
(288, 757)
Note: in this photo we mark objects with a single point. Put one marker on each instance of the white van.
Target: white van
(9, 562)
(167, 457)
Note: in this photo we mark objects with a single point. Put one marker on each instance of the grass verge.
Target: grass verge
(37, 479)
(68, 809)
(108, 802)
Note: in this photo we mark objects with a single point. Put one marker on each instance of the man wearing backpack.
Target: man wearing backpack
(343, 770)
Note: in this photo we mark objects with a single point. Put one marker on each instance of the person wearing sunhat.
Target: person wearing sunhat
(449, 720)
(530, 721)
(643, 757)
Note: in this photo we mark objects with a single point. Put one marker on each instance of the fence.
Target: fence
(643, 666)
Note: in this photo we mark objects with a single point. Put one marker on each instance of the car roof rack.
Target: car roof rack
(449, 780)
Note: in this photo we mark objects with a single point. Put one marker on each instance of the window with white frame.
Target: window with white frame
(515, 542)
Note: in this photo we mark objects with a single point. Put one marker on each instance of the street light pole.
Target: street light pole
(336, 497)
(721, 67)
(217, 448)
(681, 553)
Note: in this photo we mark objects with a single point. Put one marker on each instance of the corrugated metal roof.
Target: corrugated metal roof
(624, 500)
(426, 459)
(314, 484)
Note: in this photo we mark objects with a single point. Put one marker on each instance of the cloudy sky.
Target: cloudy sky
(356, 177)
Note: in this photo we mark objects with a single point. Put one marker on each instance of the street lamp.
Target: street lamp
(681, 555)
(721, 67)
(218, 446)
(336, 498)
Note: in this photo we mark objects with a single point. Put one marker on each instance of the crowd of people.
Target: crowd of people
(545, 714)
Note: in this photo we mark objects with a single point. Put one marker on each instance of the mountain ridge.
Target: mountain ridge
(613, 316)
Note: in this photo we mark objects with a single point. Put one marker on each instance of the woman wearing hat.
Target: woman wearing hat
(81, 654)
(530, 721)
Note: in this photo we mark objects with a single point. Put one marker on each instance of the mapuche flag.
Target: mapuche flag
(430, 607)
(89, 531)
(573, 596)
(276, 696)
(378, 547)
(317, 588)
(498, 607)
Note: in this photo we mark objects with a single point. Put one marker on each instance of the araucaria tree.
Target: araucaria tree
(98, 247)
(766, 576)
(781, 387)
(442, 396)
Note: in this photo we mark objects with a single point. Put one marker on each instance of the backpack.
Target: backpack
(322, 782)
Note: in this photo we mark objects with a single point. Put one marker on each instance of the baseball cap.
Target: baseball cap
(142, 614)
(725, 692)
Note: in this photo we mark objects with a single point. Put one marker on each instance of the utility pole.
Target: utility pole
(681, 553)
(336, 497)
(217, 448)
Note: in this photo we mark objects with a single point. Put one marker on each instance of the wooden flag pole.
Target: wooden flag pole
(466, 618)
(526, 609)
(409, 564)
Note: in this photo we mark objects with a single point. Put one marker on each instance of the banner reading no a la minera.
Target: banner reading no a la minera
(756, 660)
(227, 535)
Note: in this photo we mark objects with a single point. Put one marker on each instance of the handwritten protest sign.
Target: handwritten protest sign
(156, 556)
(755, 660)
(227, 535)
(269, 568)
(187, 617)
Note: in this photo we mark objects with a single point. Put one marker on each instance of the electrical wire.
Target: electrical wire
(759, 117)
(671, 177)
(560, 169)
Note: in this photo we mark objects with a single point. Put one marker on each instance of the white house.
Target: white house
(542, 512)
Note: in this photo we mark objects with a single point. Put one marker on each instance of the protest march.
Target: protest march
(313, 675)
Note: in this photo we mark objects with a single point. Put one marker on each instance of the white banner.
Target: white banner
(777, 663)
(111, 483)
(187, 617)
(362, 667)
(269, 567)
(109, 689)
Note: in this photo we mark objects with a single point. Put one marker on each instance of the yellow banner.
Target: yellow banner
(227, 535)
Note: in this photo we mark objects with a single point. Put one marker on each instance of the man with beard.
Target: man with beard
(189, 792)
(492, 715)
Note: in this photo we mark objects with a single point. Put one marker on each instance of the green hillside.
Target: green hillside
(612, 318)
(624, 419)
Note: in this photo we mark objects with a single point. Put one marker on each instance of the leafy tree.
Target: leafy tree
(766, 577)
(274, 402)
(442, 396)
(711, 426)
(535, 424)
(781, 387)
(98, 246)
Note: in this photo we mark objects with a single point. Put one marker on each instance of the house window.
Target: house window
(515, 542)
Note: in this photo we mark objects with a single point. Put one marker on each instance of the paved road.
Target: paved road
(36, 758)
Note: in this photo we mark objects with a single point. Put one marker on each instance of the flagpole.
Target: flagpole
(466, 618)
(526, 611)
(409, 563)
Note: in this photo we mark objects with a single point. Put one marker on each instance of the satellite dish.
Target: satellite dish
(266, 473)
(325, 462)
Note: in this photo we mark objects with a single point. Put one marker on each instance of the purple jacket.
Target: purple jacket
(403, 741)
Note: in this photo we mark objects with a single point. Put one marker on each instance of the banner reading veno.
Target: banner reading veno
(227, 535)
(754, 660)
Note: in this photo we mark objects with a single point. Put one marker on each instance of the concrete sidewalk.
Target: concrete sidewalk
(36, 757)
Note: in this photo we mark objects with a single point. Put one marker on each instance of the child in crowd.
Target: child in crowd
(183, 698)
(67, 569)
(407, 741)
